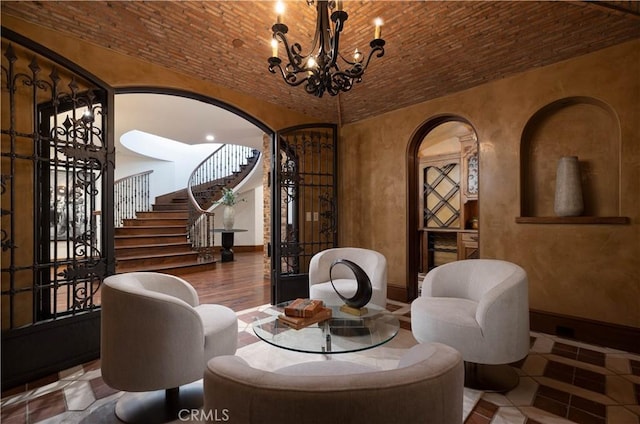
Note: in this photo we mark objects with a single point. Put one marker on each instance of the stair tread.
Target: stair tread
(141, 246)
(164, 215)
(148, 235)
(160, 218)
(164, 267)
(166, 211)
(156, 222)
(158, 255)
(148, 226)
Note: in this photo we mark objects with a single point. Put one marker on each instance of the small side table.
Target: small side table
(227, 242)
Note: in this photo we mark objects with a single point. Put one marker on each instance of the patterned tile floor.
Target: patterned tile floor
(561, 381)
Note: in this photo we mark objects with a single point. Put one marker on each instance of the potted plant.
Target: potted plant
(229, 199)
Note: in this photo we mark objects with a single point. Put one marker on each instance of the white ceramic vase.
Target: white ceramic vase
(228, 217)
(568, 198)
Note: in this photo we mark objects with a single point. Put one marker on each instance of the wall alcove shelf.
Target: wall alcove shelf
(579, 126)
(593, 220)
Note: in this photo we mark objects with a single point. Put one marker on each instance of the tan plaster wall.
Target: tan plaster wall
(587, 271)
(583, 271)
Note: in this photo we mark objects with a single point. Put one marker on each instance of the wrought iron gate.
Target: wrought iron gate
(304, 199)
(57, 220)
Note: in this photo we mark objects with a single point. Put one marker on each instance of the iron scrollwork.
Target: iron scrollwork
(329, 224)
(290, 178)
(86, 282)
(68, 163)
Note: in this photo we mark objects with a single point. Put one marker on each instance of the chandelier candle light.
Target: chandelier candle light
(320, 69)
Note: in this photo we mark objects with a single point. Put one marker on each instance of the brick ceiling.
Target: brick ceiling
(433, 48)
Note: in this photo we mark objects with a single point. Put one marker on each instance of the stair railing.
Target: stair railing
(131, 195)
(225, 167)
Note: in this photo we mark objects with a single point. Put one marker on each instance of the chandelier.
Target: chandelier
(320, 69)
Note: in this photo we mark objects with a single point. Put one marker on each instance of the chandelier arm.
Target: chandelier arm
(288, 76)
(356, 70)
(294, 58)
(377, 48)
(295, 83)
(347, 61)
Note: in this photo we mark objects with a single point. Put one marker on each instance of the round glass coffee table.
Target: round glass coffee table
(342, 333)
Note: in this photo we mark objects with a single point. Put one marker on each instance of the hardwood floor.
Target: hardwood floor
(240, 284)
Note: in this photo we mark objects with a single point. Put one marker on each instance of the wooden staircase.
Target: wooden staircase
(157, 240)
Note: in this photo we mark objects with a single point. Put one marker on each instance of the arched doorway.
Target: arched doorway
(165, 132)
(443, 201)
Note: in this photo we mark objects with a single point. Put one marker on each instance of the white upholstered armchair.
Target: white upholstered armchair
(481, 308)
(372, 262)
(156, 337)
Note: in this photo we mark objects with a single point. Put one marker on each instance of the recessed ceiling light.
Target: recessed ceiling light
(210, 137)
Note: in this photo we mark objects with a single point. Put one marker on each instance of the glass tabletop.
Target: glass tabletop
(341, 333)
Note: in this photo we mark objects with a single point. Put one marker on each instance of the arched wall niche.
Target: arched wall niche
(574, 126)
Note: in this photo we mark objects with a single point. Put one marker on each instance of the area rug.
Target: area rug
(561, 382)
